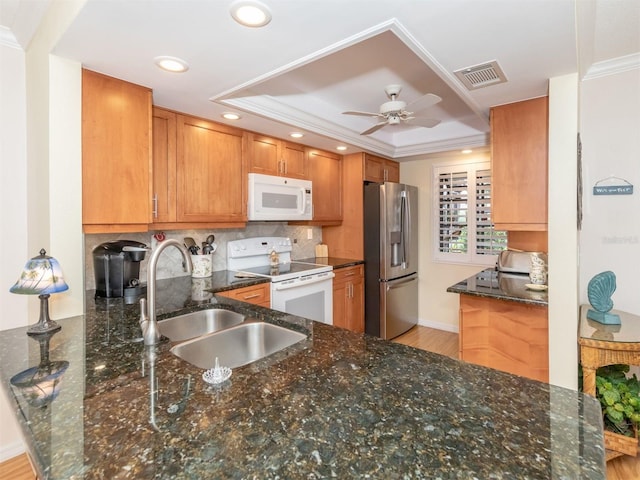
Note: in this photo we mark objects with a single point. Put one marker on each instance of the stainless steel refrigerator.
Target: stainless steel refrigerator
(391, 258)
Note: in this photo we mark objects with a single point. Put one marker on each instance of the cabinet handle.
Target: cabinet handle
(249, 297)
(284, 162)
(155, 206)
(385, 175)
(349, 274)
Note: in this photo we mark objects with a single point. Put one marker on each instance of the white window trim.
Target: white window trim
(470, 258)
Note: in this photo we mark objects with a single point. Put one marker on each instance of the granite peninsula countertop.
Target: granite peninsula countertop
(490, 283)
(338, 404)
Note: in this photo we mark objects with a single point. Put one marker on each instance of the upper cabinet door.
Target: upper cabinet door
(378, 169)
(116, 154)
(211, 175)
(263, 154)
(294, 160)
(164, 166)
(272, 156)
(519, 145)
(326, 177)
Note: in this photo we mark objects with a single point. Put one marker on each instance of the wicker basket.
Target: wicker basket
(621, 443)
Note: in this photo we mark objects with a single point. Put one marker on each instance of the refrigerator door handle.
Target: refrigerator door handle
(405, 214)
(400, 283)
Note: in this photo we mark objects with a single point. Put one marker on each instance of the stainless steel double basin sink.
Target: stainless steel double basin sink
(230, 336)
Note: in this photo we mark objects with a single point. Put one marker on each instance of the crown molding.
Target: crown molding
(8, 39)
(613, 66)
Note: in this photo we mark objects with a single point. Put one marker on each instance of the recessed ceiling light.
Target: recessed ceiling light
(296, 135)
(171, 64)
(467, 151)
(341, 148)
(231, 116)
(250, 13)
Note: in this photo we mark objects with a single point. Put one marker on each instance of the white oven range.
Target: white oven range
(299, 288)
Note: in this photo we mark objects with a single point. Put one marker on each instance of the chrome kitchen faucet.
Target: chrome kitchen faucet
(148, 322)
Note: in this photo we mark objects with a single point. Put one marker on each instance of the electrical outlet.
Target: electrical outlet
(309, 233)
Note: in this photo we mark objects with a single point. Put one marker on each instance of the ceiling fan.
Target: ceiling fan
(395, 111)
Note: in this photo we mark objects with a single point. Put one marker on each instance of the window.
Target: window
(463, 227)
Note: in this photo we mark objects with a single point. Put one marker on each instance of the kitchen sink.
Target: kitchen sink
(196, 324)
(237, 346)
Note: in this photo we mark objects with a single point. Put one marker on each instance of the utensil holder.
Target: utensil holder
(202, 266)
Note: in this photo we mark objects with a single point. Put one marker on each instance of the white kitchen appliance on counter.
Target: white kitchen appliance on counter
(299, 288)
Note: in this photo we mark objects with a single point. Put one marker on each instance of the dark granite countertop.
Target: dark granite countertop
(335, 262)
(490, 283)
(337, 404)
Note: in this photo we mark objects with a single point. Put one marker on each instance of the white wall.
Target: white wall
(437, 308)
(610, 237)
(563, 231)
(40, 130)
(13, 216)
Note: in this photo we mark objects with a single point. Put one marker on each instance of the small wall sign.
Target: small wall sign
(622, 187)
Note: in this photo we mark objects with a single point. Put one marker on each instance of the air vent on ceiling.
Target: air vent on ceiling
(480, 76)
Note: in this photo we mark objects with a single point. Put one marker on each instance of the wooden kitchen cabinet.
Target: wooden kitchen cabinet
(210, 172)
(272, 156)
(257, 294)
(116, 155)
(348, 298)
(505, 335)
(164, 166)
(325, 171)
(519, 145)
(198, 173)
(378, 169)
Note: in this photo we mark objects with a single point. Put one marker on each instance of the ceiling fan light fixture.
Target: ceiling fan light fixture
(231, 116)
(250, 13)
(171, 64)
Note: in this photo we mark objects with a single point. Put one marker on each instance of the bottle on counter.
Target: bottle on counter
(274, 258)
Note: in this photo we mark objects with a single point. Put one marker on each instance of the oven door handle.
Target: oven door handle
(286, 286)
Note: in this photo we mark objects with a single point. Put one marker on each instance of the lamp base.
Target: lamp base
(45, 324)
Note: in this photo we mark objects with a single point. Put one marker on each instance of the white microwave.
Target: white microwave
(279, 198)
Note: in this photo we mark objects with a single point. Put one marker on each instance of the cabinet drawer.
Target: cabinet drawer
(256, 294)
(348, 273)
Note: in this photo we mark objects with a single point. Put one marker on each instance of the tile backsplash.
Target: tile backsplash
(170, 263)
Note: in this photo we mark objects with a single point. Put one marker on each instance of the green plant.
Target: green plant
(619, 397)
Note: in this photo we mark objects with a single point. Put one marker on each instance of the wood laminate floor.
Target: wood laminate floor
(445, 343)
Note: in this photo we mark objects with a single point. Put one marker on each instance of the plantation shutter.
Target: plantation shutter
(488, 241)
(462, 217)
(453, 208)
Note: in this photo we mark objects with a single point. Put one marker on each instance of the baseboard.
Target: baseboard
(12, 450)
(447, 327)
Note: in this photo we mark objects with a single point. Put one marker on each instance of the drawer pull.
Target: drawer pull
(249, 297)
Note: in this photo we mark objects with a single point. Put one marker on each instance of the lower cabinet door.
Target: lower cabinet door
(348, 298)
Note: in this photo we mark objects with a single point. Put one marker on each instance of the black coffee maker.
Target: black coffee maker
(117, 267)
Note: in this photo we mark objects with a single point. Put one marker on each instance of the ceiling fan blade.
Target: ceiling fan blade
(424, 122)
(375, 128)
(364, 114)
(423, 102)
